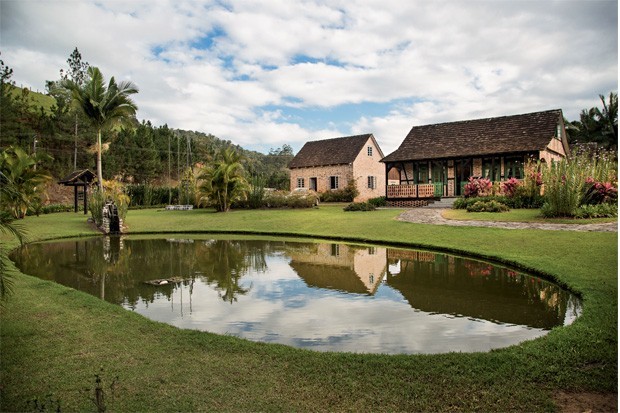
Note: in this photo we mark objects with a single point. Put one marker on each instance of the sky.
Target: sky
(272, 72)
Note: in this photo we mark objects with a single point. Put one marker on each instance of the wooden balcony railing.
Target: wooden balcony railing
(413, 191)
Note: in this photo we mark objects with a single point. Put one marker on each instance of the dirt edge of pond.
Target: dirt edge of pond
(580, 402)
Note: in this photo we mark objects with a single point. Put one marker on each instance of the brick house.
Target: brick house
(437, 160)
(330, 164)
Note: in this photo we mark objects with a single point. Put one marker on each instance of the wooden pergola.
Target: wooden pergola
(78, 179)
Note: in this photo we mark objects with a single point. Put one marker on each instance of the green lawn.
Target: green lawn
(53, 339)
(519, 215)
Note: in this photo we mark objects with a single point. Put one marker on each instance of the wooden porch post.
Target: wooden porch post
(75, 198)
(85, 198)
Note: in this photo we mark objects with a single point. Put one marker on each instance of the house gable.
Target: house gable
(336, 151)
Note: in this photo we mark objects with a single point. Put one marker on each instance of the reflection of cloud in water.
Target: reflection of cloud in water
(326, 321)
(295, 293)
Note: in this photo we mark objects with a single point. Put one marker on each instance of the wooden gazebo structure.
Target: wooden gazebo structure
(78, 179)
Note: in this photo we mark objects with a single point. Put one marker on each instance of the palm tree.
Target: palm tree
(224, 180)
(609, 117)
(7, 227)
(22, 181)
(103, 106)
(597, 126)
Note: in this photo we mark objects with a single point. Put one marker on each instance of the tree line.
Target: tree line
(138, 152)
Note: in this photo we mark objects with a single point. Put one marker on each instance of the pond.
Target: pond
(319, 295)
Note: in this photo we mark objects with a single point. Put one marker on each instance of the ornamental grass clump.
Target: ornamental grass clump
(584, 179)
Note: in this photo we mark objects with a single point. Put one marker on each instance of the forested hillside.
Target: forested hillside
(138, 153)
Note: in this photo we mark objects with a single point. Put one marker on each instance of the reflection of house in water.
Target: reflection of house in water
(354, 269)
(445, 284)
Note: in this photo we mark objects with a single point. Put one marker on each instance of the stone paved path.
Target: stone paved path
(434, 216)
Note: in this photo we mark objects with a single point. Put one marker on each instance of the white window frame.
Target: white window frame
(301, 183)
(369, 150)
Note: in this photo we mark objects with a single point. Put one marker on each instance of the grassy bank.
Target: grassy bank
(55, 339)
(519, 215)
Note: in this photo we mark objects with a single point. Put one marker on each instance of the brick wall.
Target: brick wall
(368, 165)
(322, 175)
(407, 203)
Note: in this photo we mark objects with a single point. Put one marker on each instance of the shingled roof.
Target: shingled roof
(517, 133)
(336, 151)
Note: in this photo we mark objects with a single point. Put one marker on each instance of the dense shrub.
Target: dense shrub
(478, 187)
(112, 190)
(53, 208)
(487, 206)
(511, 202)
(599, 192)
(360, 206)
(604, 210)
(572, 183)
(256, 194)
(378, 201)
(525, 197)
(148, 195)
(303, 200)
(285, 199)
(509, 187)
(346, 194)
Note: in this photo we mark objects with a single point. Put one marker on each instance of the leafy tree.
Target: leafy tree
(18, 117)
(277, 161)
(23, 180)
(132, 155)
(609, 117)
(224, 180)
(104, 106)
(78, 73)
(596, 125)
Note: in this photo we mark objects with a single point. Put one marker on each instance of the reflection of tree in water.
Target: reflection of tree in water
(115, 269)
(444, 284)
(223, 263)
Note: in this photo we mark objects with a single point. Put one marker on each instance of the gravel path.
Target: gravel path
(434, 216)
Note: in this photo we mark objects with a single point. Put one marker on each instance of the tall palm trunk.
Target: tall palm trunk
(99, 168)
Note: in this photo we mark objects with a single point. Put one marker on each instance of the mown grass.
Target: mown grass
(518, 215)
(55, 339)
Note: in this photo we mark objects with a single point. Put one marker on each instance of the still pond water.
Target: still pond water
(323, 296)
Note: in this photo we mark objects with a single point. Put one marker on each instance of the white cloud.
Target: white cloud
(215, 66)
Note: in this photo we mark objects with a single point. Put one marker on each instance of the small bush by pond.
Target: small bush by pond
(359, 206)
(487, 206)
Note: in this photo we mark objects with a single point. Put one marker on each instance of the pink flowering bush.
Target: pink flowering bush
(478, 187)
(599, 192)
(509, 187)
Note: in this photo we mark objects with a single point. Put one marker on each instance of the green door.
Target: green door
(463, 170)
